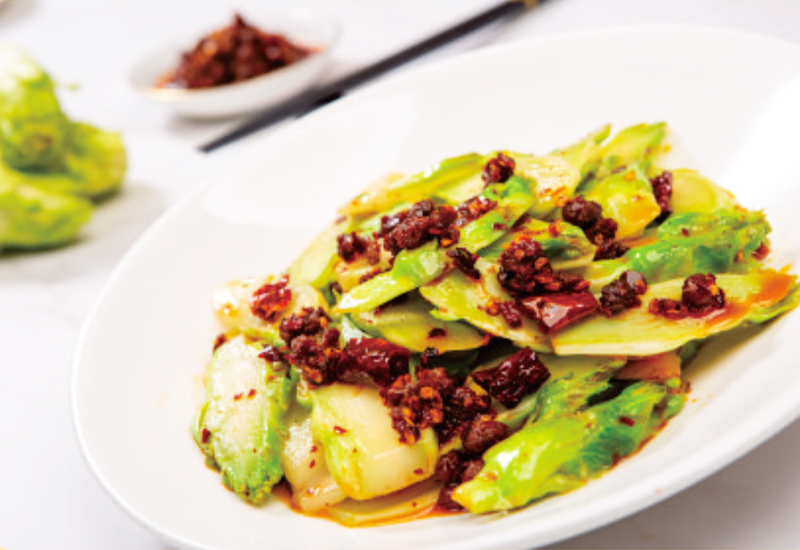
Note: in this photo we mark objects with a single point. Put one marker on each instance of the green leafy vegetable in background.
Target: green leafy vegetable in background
(49, 164)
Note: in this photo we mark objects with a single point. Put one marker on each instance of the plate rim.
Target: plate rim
(629, 501)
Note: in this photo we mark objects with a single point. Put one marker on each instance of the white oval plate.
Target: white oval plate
(733, 102)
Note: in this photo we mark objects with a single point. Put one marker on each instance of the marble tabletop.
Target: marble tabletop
(48, 496)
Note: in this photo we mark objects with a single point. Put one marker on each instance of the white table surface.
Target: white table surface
(48, 496)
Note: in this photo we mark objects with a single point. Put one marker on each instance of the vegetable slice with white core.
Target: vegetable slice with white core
(459, 296)
(628, 199)
(693, 192)
(410, 324)
(562, 451)
(638, 332)
(585, 154)
(240, 426)
(362, 450)
(565, 245)
(315, 265)
(232, 305)
(419, 186)
(303, 461)
(406, 504)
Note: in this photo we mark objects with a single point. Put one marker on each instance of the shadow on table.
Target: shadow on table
(115, 226)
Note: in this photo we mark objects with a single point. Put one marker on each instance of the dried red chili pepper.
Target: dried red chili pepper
(521, 374)
(556, 311)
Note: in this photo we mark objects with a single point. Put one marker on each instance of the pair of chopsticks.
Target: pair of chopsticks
(310, 100)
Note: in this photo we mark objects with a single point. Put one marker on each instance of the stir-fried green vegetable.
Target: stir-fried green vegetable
(565, 447)
(240, 427)
(483, 334)
(49, 164)
(689, 243)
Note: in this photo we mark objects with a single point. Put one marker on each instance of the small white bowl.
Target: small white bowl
(300, 25)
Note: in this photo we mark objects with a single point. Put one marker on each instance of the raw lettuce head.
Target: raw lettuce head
(33, 129)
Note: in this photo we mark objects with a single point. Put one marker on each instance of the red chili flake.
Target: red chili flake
(312, 464)
(761, 252)
(205, 435)
(338, 430)
(449, 467)
(313, 449)
(499, 227)
(464, 260)
(498, 169)
(684, 232)
(437, 332)
(555, 228)
(700, 296)
(380, 360)
(457, 467)
(623, 293)
(308, 322)
(350, 246)
(520, 263)
(588, 215)
(484, 433)
(420, 224)
(662, 190)
(472, 209)
(432, 400)
(602, 236)
(234, 53)
(627, 421)
(525, 270)
(251, 393)
(308, 355)
(419, 471)
(666, 307)
(271, 354)
(609, 249)
(219, 340)
(237, 396)
(521, 374)
(322, 362)
(582, 213)
(461, 408)
(269, 301)
(471, 469)
(556, 311)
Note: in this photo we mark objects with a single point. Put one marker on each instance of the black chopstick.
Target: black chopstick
(310, 100)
